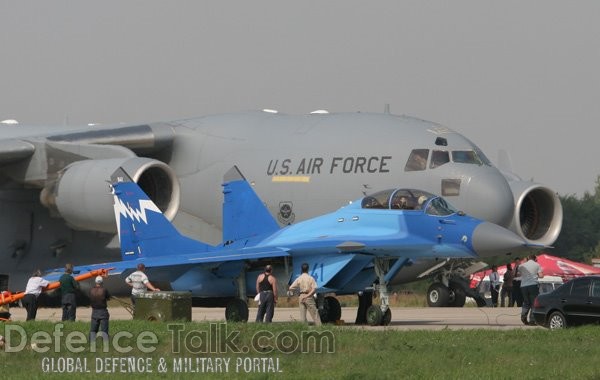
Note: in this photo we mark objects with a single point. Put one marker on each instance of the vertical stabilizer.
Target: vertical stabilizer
(244, 214)
(143, 229)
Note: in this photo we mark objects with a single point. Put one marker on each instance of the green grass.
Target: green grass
(358, 353)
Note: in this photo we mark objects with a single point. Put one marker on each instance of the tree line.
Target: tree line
(579, 239)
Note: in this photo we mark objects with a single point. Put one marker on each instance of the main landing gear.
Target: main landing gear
(439, 295)
(237, 309)
(330, 309)
(452, 295)
(450, 286)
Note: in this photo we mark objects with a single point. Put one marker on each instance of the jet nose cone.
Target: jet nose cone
(491, 240)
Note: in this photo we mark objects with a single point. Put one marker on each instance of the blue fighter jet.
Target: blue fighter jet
(360, 246)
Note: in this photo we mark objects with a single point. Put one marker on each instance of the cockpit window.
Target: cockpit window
(480, 155)
(378, 200)
(403, 200)
(409, 199)
(486, 161)
(417, 160)
(468, 157)
(439, 158)
(400, 199)
(439, 206)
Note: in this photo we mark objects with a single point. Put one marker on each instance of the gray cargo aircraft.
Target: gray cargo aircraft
(56, 209)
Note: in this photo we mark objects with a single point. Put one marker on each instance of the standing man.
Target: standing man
(34, 288)
(530, 273)
(507, 285)
(98, 297)
(139, 282)
(517, 297)
(68, 285)
(266, 288)
(307, 286)
(494, 285)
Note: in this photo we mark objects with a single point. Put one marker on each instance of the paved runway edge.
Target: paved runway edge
(402, 318)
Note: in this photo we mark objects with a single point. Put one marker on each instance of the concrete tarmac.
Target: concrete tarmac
(403, 318)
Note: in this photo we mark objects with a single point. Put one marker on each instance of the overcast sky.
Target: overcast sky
(523, 76)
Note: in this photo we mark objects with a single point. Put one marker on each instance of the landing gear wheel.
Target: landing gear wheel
(480, 301)
(331, 311)
(155, 316)
(236, 311)
(437, 295)
(387, 317)
(557, 321)
(374, 315)
(457, 297)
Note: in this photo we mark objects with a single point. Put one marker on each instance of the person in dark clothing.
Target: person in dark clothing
(68, 286)
(98, 297)
(517, 296)
(266, 288)
(507, 285)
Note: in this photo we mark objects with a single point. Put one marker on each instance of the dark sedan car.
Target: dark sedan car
(577, 302)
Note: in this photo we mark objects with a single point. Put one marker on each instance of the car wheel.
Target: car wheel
(557, 321)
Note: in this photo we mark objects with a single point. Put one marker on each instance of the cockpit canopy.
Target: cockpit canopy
(408, 199)
(417, 160)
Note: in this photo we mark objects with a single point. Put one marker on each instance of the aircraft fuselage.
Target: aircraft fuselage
(300, 165)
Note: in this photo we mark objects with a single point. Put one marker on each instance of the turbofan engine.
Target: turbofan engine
(81, 194)
(538, 212)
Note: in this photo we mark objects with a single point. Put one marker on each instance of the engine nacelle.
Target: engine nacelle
(538, 212)
(82, 197)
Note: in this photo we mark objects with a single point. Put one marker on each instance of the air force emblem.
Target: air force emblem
(285, 214)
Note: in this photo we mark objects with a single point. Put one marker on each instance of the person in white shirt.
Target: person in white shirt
(307, 286)
(34, 288)
(139, 282)
(530, 273)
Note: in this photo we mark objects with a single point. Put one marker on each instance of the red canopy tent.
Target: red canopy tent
(551, 266)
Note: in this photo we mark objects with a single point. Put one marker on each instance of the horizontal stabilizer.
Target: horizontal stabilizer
(165, 263)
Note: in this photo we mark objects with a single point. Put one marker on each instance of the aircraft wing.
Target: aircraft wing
(80, 160)
(22, 142)
(13, 150)
(164, 262)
